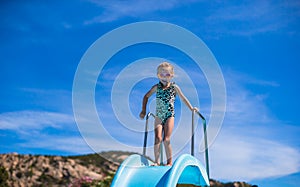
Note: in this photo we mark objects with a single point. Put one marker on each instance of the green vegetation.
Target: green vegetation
(88, 182)
(3, 177)
(99, 158)
(95, 159)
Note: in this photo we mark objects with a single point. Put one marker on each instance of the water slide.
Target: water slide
(136, 170)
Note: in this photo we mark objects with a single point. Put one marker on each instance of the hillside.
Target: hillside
(41, 170)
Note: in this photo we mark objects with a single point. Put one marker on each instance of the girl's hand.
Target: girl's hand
(142, 114)
(195, 109)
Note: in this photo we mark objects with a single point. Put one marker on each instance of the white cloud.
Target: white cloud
(238, 18)
(235, 156)
(32, 130)
(132, 8)
(253, 17)
(30, 120)
(246, 106)
(69, 144)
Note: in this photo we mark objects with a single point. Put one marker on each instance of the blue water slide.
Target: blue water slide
(136, 170)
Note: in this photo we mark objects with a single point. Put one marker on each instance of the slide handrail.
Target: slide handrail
(146, 132)
(205, 138)
(146, 136)
(192, 139)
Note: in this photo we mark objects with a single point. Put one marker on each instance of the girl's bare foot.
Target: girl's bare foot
(155, 164)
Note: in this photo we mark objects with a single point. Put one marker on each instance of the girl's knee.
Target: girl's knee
(167, 140)
(158, 139)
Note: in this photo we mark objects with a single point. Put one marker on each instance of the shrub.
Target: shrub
(89, 182)
(3, 177)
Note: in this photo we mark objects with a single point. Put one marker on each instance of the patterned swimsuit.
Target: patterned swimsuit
(165, 99)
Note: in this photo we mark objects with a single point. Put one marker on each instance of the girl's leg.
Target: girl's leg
(158, 139)
(168, 128)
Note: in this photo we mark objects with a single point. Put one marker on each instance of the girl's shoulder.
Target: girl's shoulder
(154, 87)
(176, 87)
(158, 85)
(173, 84)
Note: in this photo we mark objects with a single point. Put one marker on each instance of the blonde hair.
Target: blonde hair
(165, 65)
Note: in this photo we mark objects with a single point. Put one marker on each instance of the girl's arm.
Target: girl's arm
(182, 97)
(145, 100)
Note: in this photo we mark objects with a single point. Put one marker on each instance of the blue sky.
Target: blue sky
(254, 42)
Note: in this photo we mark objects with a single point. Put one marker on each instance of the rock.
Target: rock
(28, 170)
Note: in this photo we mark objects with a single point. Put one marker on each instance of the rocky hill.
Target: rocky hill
(40, 170)
(74, 171)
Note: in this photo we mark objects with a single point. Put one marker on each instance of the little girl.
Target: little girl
(166, 92)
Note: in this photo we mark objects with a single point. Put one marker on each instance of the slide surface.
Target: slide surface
(136, 170)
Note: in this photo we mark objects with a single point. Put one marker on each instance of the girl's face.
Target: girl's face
(165, 75)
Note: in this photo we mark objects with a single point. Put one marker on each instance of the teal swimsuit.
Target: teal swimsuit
(165, 100)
